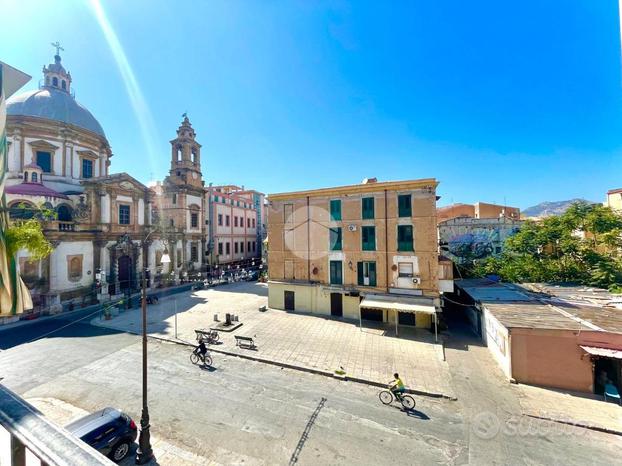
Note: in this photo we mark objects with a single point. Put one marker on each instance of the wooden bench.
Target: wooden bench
(244, 342)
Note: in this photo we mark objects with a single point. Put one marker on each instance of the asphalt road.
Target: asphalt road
(243, 412)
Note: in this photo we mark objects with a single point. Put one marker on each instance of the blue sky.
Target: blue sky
(515, 102)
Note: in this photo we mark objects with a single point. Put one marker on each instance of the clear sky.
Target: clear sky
(515, 101)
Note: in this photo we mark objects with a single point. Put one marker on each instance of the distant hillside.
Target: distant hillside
(545, 209)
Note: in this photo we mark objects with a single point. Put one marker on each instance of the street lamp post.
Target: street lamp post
(145, 452)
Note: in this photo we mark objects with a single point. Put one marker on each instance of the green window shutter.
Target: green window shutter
(368, 235)
(404, 205)
(359, 270)
(372, 274)
(405, 238)
(367, 205)
(335, 209)
(335, 273)
(335, 239)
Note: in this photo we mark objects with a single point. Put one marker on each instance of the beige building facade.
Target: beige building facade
(367, 251)
(234, 225)
(614, 199)
(477, 210)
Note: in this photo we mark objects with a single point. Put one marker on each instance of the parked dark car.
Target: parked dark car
(109, 431)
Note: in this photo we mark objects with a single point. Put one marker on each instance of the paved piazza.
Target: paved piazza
(301, 340)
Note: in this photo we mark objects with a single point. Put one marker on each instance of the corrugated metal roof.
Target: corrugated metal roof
(519, 307)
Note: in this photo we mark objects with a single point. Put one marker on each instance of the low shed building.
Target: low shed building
(541, 339)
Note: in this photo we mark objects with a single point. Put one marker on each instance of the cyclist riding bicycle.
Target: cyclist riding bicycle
(397, 386)
(202, 349)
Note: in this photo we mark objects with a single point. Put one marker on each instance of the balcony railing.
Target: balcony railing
(66, 226)
(27, 437)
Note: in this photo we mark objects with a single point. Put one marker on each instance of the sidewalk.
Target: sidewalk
(569, 408)
(306, 342)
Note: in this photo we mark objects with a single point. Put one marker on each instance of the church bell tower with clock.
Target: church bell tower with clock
(186, 157)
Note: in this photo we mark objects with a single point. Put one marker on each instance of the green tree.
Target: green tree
(28, 233)
(582, 245)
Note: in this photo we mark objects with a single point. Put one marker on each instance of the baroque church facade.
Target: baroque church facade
(108, 228)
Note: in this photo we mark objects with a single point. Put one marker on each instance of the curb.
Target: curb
(578, 424)
(300, 368)
(161, 293)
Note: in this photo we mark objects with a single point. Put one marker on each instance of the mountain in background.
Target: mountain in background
(545, 209)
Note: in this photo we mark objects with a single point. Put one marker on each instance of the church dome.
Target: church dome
(53, 104)
(54, 101)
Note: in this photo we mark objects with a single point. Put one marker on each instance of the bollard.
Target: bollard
(215, 317)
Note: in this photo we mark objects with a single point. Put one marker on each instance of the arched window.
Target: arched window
(63, 84)
(193, 156)
(64, 213)
(75, 268)
(55, 81)
(34, 177)
(26, 177)
(179, 154)
(21, 210)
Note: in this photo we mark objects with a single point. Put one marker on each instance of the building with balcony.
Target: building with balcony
(366, 251)
(59, 159)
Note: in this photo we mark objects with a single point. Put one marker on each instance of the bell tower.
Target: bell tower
(186, 157)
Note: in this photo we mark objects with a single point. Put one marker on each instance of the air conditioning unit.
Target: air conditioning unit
(352, 227)
(416, 280)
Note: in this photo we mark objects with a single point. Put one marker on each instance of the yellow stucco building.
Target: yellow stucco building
(367, 251)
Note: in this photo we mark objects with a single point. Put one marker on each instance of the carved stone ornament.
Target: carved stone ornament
(82, 211)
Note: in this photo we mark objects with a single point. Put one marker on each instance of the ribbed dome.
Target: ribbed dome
(55, 105)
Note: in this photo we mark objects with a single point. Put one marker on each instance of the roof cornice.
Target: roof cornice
(358, 189)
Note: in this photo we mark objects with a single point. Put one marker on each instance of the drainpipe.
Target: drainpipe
(386, 242)
(308, 241)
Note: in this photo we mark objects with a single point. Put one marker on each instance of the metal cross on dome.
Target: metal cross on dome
(57, 46)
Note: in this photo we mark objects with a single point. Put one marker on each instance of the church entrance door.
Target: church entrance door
(125, 272)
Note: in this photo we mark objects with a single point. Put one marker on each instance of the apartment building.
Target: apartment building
(234, 229)
(478, 210)
(366, 251)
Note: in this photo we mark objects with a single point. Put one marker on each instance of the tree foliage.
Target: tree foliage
(582, 245)
(28, 234)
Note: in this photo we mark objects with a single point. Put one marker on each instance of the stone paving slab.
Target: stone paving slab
(309, 342)
(571, 408)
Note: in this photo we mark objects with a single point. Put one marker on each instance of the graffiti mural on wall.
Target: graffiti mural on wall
(465, 240)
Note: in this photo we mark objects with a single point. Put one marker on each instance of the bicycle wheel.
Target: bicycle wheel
(207, 360)
(385, 397)
(408, 402)
(194, 358)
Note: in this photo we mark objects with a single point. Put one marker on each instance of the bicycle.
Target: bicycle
(196, 356)
(210, 337)
(387, 397)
